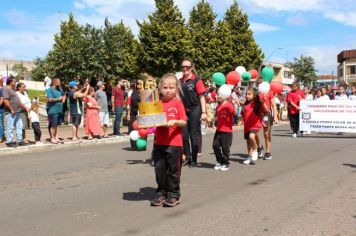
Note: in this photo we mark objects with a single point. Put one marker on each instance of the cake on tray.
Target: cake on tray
(150, 108)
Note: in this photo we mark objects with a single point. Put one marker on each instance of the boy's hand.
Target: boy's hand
(171, 123)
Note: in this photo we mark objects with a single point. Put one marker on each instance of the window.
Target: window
(341, 72)
(351, 70)
(287, 74)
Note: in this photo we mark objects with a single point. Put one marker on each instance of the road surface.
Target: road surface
(309, 188)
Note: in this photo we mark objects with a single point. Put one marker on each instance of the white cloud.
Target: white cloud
(342, 11)
(297, 20)
(261, 28)
(326, 56)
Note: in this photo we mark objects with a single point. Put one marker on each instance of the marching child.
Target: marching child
(293, 99)
(252, 119)
(167, 149)
(35, 122)
(223, 135)
(353, 95)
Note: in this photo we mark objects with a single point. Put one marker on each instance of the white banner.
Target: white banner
(328, 116)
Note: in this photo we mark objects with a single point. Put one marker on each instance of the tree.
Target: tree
(92, 53)
(202, 26)
(40, 70)
(303, 69)
(164, 39)
(237, 45)
(121, 51)
(65, 59)
(20, 71)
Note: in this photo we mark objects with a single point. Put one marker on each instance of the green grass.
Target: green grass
(36, 93)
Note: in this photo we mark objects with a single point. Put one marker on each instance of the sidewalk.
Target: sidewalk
(65, 134)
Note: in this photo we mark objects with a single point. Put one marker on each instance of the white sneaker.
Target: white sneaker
(294, 135)
(254, 155)
(217, 167)
(224, 168)
(248, 161)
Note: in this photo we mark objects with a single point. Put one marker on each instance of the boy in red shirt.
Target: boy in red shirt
(223, 135)
(167, 150)
(293, 100)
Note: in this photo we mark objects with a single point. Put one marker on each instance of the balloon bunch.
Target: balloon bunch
(268, 85)
(140, 136)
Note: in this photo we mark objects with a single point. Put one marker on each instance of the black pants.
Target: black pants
(167, 168)
(191, 133)
(131, 121)
(294, 122)
(37, 130)
(221, 145)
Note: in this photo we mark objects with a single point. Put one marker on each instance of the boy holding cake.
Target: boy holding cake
(167, 150)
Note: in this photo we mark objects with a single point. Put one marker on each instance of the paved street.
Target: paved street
(307, 189)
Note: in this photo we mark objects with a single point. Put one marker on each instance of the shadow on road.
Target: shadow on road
(144, 194)
(349, 165)
(205, 165)
(136, 162)
(240, 160)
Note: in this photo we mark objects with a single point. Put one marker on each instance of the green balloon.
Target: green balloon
(246, 76)
(219, 78)
(141, 144)
(267, 74)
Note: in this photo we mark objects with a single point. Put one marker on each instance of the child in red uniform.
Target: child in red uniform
(167, 150)
(223, 136)
(252, 118)
(293, 99)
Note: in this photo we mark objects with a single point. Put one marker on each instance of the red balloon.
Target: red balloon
(254, 73)
(135, 125)
(233, 78)
(143, 133)
(276, 87)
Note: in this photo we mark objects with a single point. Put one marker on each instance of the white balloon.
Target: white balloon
(134, 135)
(240, 69)
(264, 87)
(224, 91)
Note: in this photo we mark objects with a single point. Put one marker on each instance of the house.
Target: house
(346, 70)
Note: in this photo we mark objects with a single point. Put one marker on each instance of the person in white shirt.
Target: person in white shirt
(341, 94)
(321, 95)
(35, 123)
(26, 106)
(353, 95)
(48, 81)
(308, 95)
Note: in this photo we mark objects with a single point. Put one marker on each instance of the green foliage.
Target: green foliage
(237, 45)
(19, 70)
(112, 51)
(202, 27)
(40, 69)
(303, 69)
(164, 39)
(65, 59)
(121, 51)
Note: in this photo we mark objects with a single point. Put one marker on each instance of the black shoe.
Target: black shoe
(12, 144)
(187, 162)
(261, 152)
(158, 201)
(267, 156)
(171, 202)
(193, 164)
(23, 144)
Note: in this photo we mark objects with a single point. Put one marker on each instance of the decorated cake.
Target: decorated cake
(150, 108)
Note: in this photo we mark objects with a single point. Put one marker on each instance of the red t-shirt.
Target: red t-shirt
(295, 97)
(225, 115)
(267, 99)
(118, 93)
(251, 120)
(213, 96)
(172, 136)
(199, 88)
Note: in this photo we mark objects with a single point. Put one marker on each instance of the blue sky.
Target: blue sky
(317, 28)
